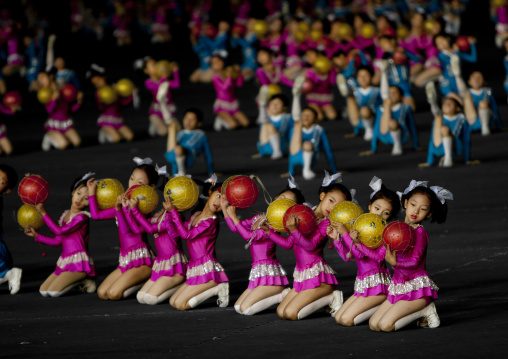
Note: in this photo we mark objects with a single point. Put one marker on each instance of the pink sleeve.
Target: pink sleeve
(96, 212)
(123, 227)
(175, 82)
(152, 228)
(133, 223)
(286, 243)
(377, 254)
(308, 244)
(262, 78)
(346, 238)
(285, 80)
(126, 100)
(77, 222)
(150, 85)
(239, 81)
(50, 106)
(413, 261)
(341, 249)
(221, 85)
(75, 107)
(55, 242)
(5, 110)
(204, 228)
(231, 224)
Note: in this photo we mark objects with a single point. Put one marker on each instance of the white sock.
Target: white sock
(180, 162)
(44, 293)
(484, 114)
(435, 109)
(141, 297)
(274, 141)
(360, 318)
(312, 307)
(384, 87)
(307, 162)
(263, 304)
(237, 309)
(447, 144)
(402, 322)
(262, 116)
(131, 290)
(296, 108)
(461, 86)
(152, 299)
(55, 293)
(201, 297)
(397, 144)
(368, 123)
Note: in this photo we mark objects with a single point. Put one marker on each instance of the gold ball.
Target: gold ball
(345, 30)
(273, 89)
(260, 27)
(148, 198)
(107, 192)
(368, 30)
(275, 213)
(163, 68)
(107, 95)
(370, 227)
(28, 215)
(316, 35)
(322, 64)
(44, 95)
(125, 87)
(346, 212)
(182, 191)
(428, 25)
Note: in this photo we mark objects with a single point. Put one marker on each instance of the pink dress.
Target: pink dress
(335, 46)
(422, 45)
(153, 87)
(322, 87)
(294, 52)
(372, 277)
(203, 265)
(267, 78)
(266, 269)
(225, 100)
(410, 278)
(274, 43)
(73, 237)
(59, 115)
(311, 268)
(111, 115)
(134, 250)
(170, 258)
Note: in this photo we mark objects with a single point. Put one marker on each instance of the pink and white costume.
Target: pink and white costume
(410, 278)
(311, 269)
(170, 258)
(422, 45)
(322, 87)
(73, 237)
(59, 115)
(274, 43)
(153, 87)
(294, 52)
(372, 277)
(266, 78)
(225, 100)
(134, 250)
(266, 269)
(203, 265)
(111, 115)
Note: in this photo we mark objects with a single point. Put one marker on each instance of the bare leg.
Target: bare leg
(5, 146)
(230, 120)
(186, 292)
(126, 133)
(58, 139)
(73, 137)
(241, 119)
(102, 291)
(260, 293)
(159, 125)
(64, 282)
(397, 311)
(171, 142)
(304, 298)
(126, 280)
(357, 306)
(426, 76)
(353, 111)
(330, 112)
(112, 133)
(295, 144)
(165, 283)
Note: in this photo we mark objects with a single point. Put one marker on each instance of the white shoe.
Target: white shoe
(396, 150)
(308, 174)
(342, 85)
(276, 155)
(46, 143)
(152, 130)
(446, 162)
(297, 85)
(263, 96)
(217, 125)
(162, 92)
(383, 65)
(455, 65)
(88, 286)
(430, 91)
(103, 137)
(369, 133)
(285, 292)
(14, 280)
(338, 300)
(223, 295)
(430, 318)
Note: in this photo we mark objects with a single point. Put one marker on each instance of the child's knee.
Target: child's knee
(365, 112)
(307, 146)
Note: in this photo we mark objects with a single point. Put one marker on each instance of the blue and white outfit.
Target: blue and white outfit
(403, 114)
(398, 75)
(284, 124)
(66, 76)
(461, 138)
(35, 53)
(369, 97)
(317, 136)
(248, 50)
(447, 81)
(195, 142)
(204, 52)
(485, 94)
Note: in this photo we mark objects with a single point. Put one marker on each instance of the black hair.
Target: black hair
(12, 176)
(336, 187)
(151, 173)
(457, 103)
(300, 199)
(196, 111)
(438, 211)
(442, 34)
(281, 97)
(401, 91)
(389, 196)
(339, 53)
(367, 68)
(78, 182)
(311, 110)
(266, 49)
(206, 189)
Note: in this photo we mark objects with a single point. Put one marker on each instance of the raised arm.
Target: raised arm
(286, 243)
(77, 222)
(204, 228)
(308, 244)
(98, 213)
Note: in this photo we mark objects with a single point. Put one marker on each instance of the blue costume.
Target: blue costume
(461, 138)
(284, 124)
(35, 53)
(447, 81)
(317, 136)
(248, 50)
(66, 76)
(195, 142)
(369, 97)
(204, 51)
(398, 75)
(485, 94)
(403, 114)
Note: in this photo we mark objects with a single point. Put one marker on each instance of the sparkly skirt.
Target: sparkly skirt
(416, 286)
(205, 269)
(169, 266)
(312, 275)
(59, 126)
(76, 262)
(155, 109)
(112, 121)
(267, 272)
(372, 283)
(134, 257)
(230, 107)
(320, 99)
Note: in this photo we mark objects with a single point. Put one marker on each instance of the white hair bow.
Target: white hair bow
(413, 184)
(328, 180)
(292, 182)
(179, 175)
(142, 161)
(442, 193)
(220, 53)
(85, 178)
(375, 184)
(162, 171)
(212, 179)
(353, 194)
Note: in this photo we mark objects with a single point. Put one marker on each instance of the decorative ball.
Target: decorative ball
(307, 86)
(307, 221)
(322, 64)
(182, 191)
(346, 212)
(275, 213)
(33, 189)
(12, 98)
(148, 198)
(370, 227)
(399, 58)
(303, 27)
(124, 87)
(163, 68)
(69, 93)
(368, 30)
(345, 30)
(399, 236)
(44, 95)
(260, 27)
(428, 25)
(356, 58)
(28, 215)
(463, 43)
(316, 35)
(242, 192)
(225, 184)
(498, 3)
(299, 35)
(107, 95)
(402, 31)
(107, 192)
(273, 89)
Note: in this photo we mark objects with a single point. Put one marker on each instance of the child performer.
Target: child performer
(225, 80)
(75, 266)
(205, 276)
(136, 257)
(185, 145)
(248, 44)
(373, 278)
(111, 125)
(267, 279)
(8, 273)
(5, 143)
(267, 73)
(485, 104)
(323, 77)
(411, 292)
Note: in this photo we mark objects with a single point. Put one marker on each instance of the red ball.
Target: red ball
(307, 221)
(357, 59)
(307, 86)
(12, 98)
(463, 43)
(69, 92)
(129, 191)
(242, 192)
(399, 236)
(33, 189)
(399, 58)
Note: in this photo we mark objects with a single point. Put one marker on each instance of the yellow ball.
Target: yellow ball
(107, 192)
(44, 95)
(125, 87)
(275, 213)
(316, 35)
(429, 25)
(148, 198)
(322, 64)
(402, 31)
(368, 30)
(303, 27)
(107, 95)
(345, 30)
(346, 212)
(163, 68)
(299, 35)
(260, 27)
(498, 3)
(273, 89)
(370, 227)
(182, 191)
(28, 215)
(225, 183)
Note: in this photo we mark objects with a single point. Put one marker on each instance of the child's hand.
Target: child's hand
(79, 98)
(471, 39)
(92, 186)
(118, 204)
(231, 211)
(125, 200)
(292, 223)
(341, 229)
(133, 202)
(174, 66)
(168, 206)
(355, 236)
(41, 209)
(30, 232)
(331, 231)
(390, 256)
(224, 204)
(264, 226)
